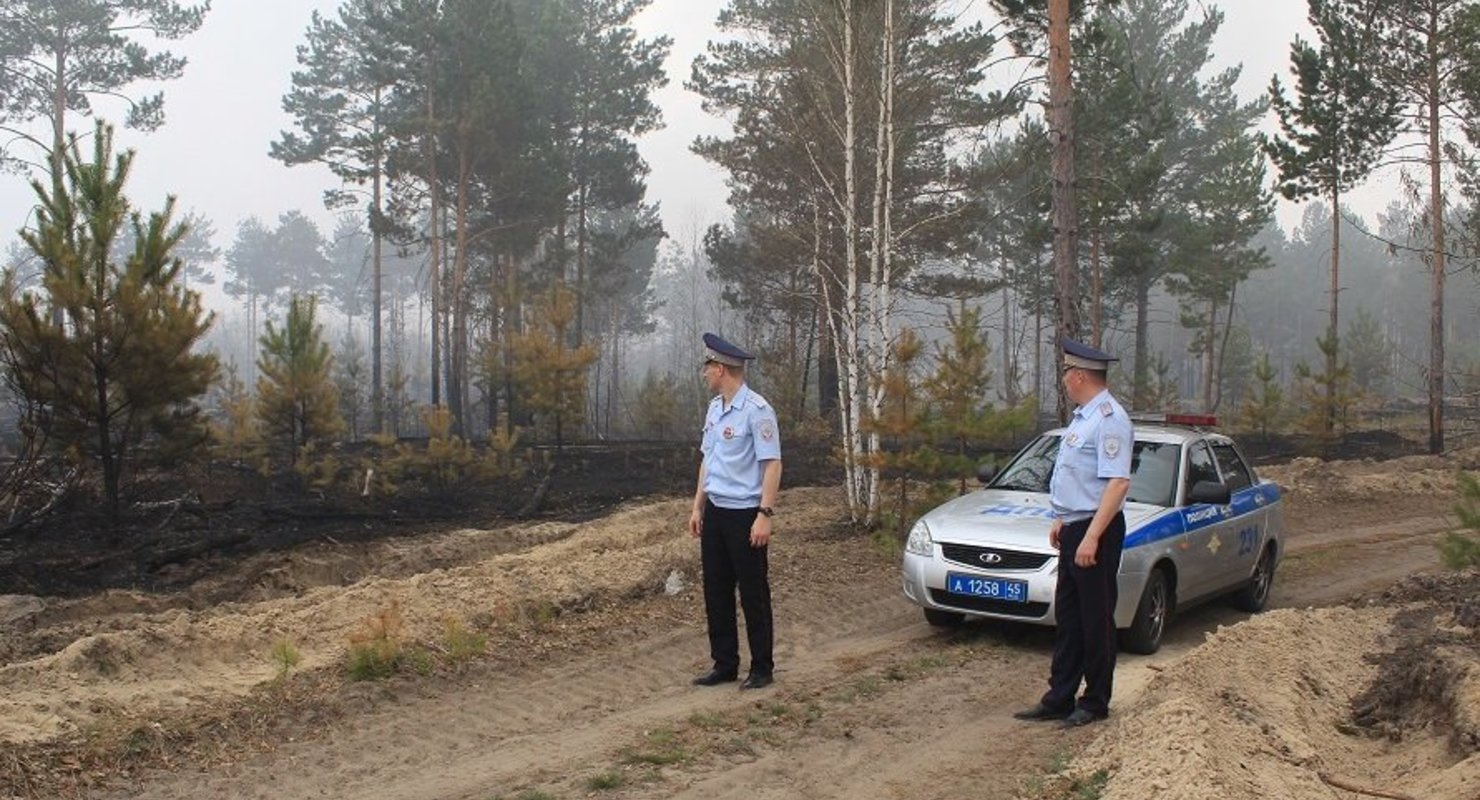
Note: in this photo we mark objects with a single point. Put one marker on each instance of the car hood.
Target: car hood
(1015, 520)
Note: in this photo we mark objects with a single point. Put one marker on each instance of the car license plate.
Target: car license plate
(991, 588)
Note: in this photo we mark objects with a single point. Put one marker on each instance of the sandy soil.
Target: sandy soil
(584, 688)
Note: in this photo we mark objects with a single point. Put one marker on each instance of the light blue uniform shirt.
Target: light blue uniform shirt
(736, 440)
(1096, 447)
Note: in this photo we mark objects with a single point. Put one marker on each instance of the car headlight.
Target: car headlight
(920, 542)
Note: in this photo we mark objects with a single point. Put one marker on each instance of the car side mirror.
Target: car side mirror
(985, 473)
(1211, 492)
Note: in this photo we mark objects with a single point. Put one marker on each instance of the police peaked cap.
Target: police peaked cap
(720, 351)
(1081, 355)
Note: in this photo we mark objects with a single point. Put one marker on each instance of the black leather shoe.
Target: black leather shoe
(1081, 717)
(1040, 712)
(714, 677)
(757, 680)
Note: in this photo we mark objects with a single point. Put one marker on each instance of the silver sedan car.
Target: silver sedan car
(1200, 523)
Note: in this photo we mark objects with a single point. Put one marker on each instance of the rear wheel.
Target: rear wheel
(944, 619)
(1144, 634)
(1255, 596)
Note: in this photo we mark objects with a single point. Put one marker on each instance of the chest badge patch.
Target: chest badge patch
(768, 430)
(729, 432)
(1072, 440)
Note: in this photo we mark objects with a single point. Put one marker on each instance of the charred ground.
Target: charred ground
(181, 531)
(177, 534)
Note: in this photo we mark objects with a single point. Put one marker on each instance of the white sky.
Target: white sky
(226, 109)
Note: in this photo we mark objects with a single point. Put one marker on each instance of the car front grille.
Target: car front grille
(1006, 559)
(989, 606)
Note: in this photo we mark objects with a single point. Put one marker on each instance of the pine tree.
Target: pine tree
(657, 404)
(960, 413)
(297, 403)
(621, 254)
(1237, 366)
(398, 402)
(597, 81)
(105, 353)
(1053, 18)
(1462, 550)
(57, 54)
(445, 461)
(958, 389)
(1326, 397)
(338, 102)
(901, 427)
(1163, 392)
(1423, 48)
(237, 430)
(1334, 130)
(1368, 350)
(298, 265)
(1264, 408)
(1228, 208)
(1017, 246)
(1173, 170)
(551, 375)
(349, 382)
(248, 268)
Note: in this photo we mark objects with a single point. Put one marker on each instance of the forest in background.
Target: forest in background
(496, 274)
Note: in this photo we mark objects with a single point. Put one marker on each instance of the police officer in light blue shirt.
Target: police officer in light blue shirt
(1091, 478)
(739, 478)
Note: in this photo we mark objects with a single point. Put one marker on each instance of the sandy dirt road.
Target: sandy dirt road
(870, 701)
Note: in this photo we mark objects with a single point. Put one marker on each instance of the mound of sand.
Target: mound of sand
(133, 654)
(1312, 479)
(1311, 704)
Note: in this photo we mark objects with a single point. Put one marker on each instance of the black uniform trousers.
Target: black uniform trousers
(1084, 602)
(730, 561)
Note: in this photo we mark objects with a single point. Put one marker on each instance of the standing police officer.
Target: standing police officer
(739, 478)
(1091, 477)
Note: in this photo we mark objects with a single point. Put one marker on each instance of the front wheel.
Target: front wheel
(1144, 634)
(944, 619)
(1254, 597)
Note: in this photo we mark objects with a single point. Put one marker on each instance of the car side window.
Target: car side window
(1200, 465)
(1154, 473)
(1235, 472)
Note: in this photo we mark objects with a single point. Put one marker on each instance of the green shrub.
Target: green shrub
(1462, 550)
(376, 650)
(286, 656)
(1093, 787)
(1459, 551)
(462, 644)
(605, 781)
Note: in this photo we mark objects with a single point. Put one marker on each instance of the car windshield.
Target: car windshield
(1153, 470)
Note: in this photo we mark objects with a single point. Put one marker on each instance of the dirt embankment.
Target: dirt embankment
(1380, 699)
(583, 688)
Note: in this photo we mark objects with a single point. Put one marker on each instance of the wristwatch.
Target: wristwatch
(767, 510)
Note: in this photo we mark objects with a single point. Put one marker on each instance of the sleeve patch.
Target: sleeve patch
(1111, 444)
(768, 430)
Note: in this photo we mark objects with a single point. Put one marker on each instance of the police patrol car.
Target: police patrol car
(1199, 523)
